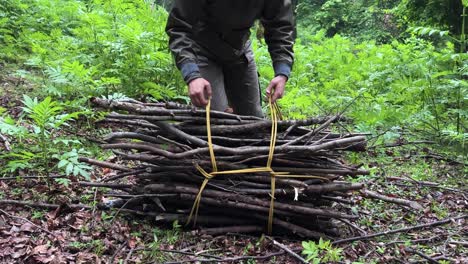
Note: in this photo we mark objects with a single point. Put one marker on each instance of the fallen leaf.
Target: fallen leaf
(27, 227)
(18, 253)
(42, 249)
(44, 259)
(14, 229)
(18, 240)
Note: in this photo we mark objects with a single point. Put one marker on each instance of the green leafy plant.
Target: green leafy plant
(400, 86)
(111, 46)
(321, 252)
(68, 162)
(38, 144)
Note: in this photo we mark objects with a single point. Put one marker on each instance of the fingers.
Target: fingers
(195, 100)
(268, 89)
(275, 89)
(200, 91)
(208, 90)
(276, 95)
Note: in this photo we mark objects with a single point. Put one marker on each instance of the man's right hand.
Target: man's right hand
(199, 91)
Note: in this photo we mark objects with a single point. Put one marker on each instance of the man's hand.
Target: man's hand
(199, 91)
(276, 88)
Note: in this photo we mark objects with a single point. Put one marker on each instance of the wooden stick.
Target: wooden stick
(235, 151)
(424, 256)
(104, 164)
(165, 188)
(44, 205)
(228, 229)
(32, 177)
(232, 259)
(374, 195)
(138, 108)
(287, 250)
(400, 230)
(136, 123)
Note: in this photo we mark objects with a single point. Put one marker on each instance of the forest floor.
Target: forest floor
(78, 232)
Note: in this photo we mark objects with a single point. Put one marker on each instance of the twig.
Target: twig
(374, 195)
(93, 221)
(438, 157)
(436, 223)
(415, 241)
(43, 205)
(287, 250)
(208, 250)
(5, 142)
(27, 221)
(182, 252)
(189, 253)
(424, 256)
(461, 243)
(233, 259)
(129, 255)
(31, 177)
(180, 145)
(427, 184)
(124, 174)
(235, 151)
(105, 185)
(104, 164)
(124, 244)
(291, 128)
(228, 229)
(121, 207)
(313, 132)
(353, 226)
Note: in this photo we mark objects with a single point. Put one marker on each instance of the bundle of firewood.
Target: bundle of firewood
(164, 143)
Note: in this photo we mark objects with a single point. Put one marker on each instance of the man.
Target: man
(210, 42)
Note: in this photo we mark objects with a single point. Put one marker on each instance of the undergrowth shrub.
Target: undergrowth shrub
(37, 143)
(100, 48)
(92, 48)
(398, 85)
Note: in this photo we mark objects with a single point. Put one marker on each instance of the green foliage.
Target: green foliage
(359, 19)
(410, 85)
(68, 162)
(169, 236)
(92, 48)
(321, 252)
(442, 14)
(37, 143)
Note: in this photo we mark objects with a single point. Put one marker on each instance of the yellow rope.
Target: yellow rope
(275, 115)
(210, 142)
(274, 130)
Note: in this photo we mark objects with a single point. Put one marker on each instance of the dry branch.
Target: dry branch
(400, 230)
(374, 195)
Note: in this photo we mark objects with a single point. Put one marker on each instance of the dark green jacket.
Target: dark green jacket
(222, 27)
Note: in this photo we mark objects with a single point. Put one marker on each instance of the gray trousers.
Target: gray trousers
(234, 84)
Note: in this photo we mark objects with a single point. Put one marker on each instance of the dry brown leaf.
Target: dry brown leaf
(6, 251)
(41, 249)
(17, 240)
(27, 227)
(18, 253)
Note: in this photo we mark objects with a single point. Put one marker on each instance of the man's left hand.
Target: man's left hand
(276, 88)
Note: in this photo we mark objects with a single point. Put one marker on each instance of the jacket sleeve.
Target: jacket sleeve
(280, 30)
(183, 15)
